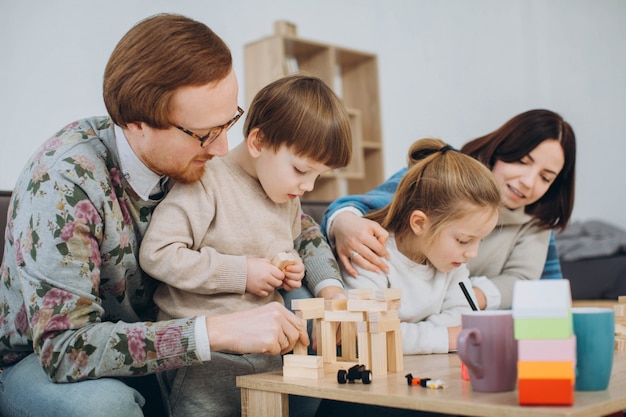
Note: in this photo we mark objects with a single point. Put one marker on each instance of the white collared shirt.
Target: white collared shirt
(142, 179)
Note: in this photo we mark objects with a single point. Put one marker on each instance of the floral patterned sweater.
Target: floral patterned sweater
(72, 290)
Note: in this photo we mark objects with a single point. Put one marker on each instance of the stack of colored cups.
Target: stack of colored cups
(542, 322)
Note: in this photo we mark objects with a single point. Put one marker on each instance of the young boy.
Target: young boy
(212, 242)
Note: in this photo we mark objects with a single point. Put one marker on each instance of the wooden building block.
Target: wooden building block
(384, 326)
(363, 327)
(619, 309)
(378, 346)
(310, 313)
(307, 304)
(328, 341)
(303, 361)
(382, 315)
(372, 305)
(545, 391)
(332, 367)
(388, 294)
(283, 259)
(300, 349)
(296, 372)
(365, 353)
(361, 294)
(351, 316)
(336, 305)
(317, 329)
(395, 359)
(348, 342)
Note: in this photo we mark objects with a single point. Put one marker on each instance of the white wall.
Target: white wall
(454, 69)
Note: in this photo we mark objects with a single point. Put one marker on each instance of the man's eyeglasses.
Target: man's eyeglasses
(214, 132)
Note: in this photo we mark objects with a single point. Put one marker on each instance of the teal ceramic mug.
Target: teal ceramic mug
(594, 328)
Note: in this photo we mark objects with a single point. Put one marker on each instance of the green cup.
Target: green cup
(594, 328)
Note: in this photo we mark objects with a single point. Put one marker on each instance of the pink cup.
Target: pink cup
(487, 346)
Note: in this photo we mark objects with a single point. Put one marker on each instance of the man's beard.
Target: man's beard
(187, 176)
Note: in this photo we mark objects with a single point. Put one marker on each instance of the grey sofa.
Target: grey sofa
(593, 258)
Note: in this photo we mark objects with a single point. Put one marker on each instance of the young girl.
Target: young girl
(533, 158)
(444, 206)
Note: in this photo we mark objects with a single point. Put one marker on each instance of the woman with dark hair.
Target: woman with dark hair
(533, 158)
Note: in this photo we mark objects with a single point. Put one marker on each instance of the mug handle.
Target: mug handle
(468, 338)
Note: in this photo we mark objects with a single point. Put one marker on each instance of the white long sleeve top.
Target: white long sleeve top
(431, 300)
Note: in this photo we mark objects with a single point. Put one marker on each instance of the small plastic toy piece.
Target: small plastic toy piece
(354, 373)
(425, 382)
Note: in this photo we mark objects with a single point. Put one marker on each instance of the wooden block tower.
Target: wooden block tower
(369, 324)
(542, 320)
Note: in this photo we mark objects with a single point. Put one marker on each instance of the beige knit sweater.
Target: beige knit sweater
(201, 235)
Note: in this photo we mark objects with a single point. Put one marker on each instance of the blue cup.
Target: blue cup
(594, 328)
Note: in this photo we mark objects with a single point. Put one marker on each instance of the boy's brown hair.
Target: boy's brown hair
(303, 113)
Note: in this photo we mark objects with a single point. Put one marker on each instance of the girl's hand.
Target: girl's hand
(453, 335)
(480, 297)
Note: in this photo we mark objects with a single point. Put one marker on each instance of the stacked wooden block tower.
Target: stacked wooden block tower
(620, 323)
(369, 325)
(542, 314)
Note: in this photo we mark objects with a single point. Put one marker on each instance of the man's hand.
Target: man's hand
(361, 241)
(268, 329)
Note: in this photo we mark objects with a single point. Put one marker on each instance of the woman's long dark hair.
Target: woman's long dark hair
(516, 139)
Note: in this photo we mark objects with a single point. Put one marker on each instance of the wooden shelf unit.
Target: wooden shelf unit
(353, 76)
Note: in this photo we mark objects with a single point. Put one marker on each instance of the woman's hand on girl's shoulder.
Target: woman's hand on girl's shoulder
(361, 241)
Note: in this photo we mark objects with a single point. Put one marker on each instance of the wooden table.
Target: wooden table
(266, 395)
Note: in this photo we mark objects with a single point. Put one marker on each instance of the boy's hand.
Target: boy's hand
(263, 277)
(292, 267)
(294, 273)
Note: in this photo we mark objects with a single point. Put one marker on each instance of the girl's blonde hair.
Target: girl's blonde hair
(443, 183)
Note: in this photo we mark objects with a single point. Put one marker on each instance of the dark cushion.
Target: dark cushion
(596, 278)
(5, 196)
(315, 209)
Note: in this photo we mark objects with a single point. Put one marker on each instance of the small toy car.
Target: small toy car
(354, 373)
